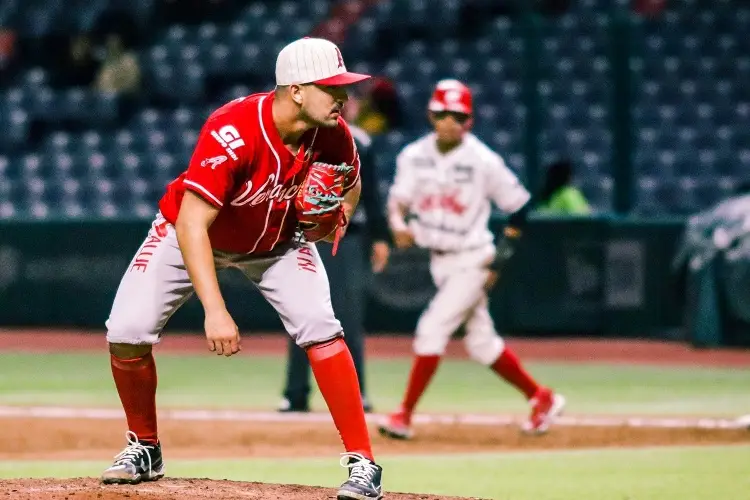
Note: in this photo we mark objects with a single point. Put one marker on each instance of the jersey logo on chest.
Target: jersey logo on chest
(463, 173)
(268, 191)
(449, 201)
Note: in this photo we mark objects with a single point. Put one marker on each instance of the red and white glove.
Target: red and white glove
(318, 202)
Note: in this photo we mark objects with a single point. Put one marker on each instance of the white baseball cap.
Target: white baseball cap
(313, 60)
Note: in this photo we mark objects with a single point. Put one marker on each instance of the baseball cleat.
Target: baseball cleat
(364, 478)
(546, 406)
(367, 405)
(397, 427)
(286, 406)
(139, 461)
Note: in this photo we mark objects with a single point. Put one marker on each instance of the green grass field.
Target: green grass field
(248, 381)
(683, 473)
(206, 381)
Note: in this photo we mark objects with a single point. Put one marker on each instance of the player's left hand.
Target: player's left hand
(505, 248)
(379, 256)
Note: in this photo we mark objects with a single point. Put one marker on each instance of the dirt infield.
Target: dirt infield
(396, 346)
(26, 437)
(76, 439)
(175, 489)
(61, 439)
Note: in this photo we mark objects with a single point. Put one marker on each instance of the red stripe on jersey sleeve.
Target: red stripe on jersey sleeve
(203, 193)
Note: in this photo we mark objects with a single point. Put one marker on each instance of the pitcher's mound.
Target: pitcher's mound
(172, 489)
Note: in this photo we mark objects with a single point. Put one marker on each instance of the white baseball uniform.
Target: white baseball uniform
(447, 197)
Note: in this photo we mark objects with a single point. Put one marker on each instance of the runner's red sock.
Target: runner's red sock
(509, 367)
(422, 371)
(136, 384)
(334, 371)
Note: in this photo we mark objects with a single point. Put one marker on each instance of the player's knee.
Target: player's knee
(316, 331)
(129, 351)
(433, 344)
(133, 329)
(485, 348)
(434, 319)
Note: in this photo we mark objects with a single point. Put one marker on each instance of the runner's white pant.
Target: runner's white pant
(460, 300)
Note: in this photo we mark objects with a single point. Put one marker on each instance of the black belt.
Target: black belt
(451, 252)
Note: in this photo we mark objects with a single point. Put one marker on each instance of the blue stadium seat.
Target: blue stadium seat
(5, 167)
(180, 83)
(15, 125)
(598, 191)
(217, 59)
(689, 69)
(249, 55)
(35, 77)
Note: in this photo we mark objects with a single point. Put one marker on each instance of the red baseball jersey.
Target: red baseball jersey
(241, 165)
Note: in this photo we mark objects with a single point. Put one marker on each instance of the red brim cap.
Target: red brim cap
(454, 107)
(343, 79)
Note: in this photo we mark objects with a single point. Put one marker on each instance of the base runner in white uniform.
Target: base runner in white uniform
(440, 200)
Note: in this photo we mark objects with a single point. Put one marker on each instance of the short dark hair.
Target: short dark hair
(559, 174)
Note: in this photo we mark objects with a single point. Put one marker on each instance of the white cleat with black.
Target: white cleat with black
(139, 461)
(364, 478)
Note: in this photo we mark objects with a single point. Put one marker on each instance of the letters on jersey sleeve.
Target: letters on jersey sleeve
(218, 154)
(504, 188)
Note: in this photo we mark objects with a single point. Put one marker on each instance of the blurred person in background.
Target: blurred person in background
(440, 200)
(649, 8)
(380, 110)
(347, 274)
(7, 51)
(78, 66)
(120, 71)
(559, 195)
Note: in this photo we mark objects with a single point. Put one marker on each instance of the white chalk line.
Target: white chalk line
(59, 412)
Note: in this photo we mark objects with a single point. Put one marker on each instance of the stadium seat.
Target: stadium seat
(689, 69)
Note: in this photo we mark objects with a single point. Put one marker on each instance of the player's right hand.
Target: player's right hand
(222, 334)
(491, 280)
(403, 239)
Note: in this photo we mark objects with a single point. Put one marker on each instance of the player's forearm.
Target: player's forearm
(349, 205)
(351, 200)
(199, 261)
(517, 220)
(396, 215)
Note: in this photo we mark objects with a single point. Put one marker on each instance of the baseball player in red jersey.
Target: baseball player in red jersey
(234, 206)
(445, 182)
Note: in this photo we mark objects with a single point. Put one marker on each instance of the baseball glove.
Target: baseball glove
(505, 248)
(318, 202)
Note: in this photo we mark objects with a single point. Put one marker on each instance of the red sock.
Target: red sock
(136, 384)
(422, 370)
(508, 366)
(334, 371)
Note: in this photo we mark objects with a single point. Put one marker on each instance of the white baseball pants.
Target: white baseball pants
(460, 300)
(156, 284)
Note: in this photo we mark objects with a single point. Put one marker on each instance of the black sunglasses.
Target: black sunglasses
(459, 117)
